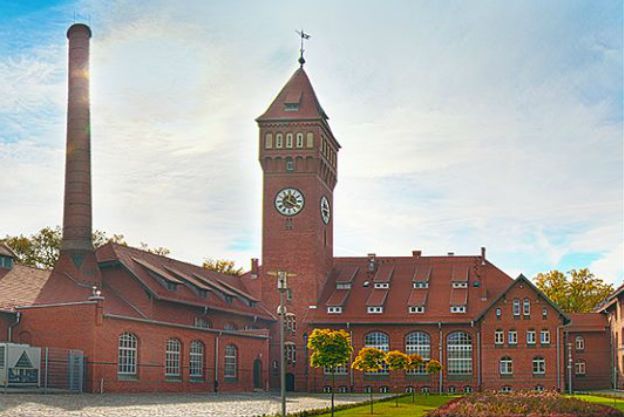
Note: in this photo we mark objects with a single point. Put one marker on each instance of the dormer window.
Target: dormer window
(382, 285)
(460, 284)
(420, 284)
(291, 106)
(417, 309)
(374, 310)
(458, 309)
(334, 310)
(343, 285)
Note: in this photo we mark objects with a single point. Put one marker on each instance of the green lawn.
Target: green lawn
(405, 408)
(611, 402)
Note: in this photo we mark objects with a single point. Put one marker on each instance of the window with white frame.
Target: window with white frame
(230, 369)
(382, 285)
(579, 368)
(526, 307)
(460, 284)
(279, 141)
(290, 350)
(467, 389)
(459, 353)
(196, 359)
(458, 309)
(499, 337)
(127, 355)
(299, 140)
(539, 388)
(506, 366)
(516, 307)
(343, 285)
(417, 309)
(419, 343)
(512, 337)
(579, 342)
(545, 337)
(172, 358)
(290, 323)
(268, 141)
(499, 312)
(334, 310)
(289, 140)
(531, 337)
(338, 370)
(506, 389)
(374, 310)
(380, 341)
(202, 323)
(544, 312)
(420, 284)
(539, 365)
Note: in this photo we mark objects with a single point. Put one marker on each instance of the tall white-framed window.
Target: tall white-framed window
(127, 354)
(290, 323)
(299, 140)
(499, 337)
(230, 369)
(309, 140)
(531, 337)
(459, 353)
(279, 141)
(290, 350)
(172, 358)
(579, 368)
(196, 359)
(539, 365)
(526, 307)
(506, 366)
(380, 341)
(420, 343)
(512, 338)
(544, 312)
(289, 140)
(579, 343)
(268, 141)
(499, 312)
(516, 307)
(545, 337)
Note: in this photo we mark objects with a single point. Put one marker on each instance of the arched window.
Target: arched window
(299, 140)
(268, 141)
(289, 140)
(310, 140)
(516, 307)
(506, 366)
(231, 362)
(172, 358)
(580, 343)
(420, 343)
(459, 353)
(196, 359)
(380, 341)
(279, 141)
(526, 307)
(539, 365)
(127, 354)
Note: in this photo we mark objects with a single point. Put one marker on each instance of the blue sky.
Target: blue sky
(463, 124)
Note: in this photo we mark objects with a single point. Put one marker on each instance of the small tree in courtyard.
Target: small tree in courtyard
(330, 349)
(397, 361)
(415, 362)
(369, 360)
(433, 367)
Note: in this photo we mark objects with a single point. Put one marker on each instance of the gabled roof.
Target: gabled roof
(21, 285)
(522, 278)
(384, 273)
(346, 274)
(338, 298)
(459, 297)
(587, 322)
(377, 298)
(297, 91)
(5, 250)
(610, 300)
(418, 297)
(422, 274)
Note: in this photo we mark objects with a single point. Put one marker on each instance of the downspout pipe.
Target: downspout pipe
(18, 318)
(440, 354)
(216, 363)
(559, 329)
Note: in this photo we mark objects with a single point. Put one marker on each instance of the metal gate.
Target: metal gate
(75, 364)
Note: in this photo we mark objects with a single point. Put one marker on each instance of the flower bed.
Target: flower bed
(521, 404)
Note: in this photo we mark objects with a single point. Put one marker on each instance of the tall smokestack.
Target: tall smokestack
(77, 254)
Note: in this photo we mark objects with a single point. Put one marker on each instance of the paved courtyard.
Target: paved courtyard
(159, 405)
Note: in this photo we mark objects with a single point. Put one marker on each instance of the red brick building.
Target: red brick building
(150, 323)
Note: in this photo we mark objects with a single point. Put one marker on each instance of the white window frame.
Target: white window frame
(381, 341)
(499, 337)
(526, 307)
(196, 359)
(516, 307)
(343, 285)
(458, 309)
(289, 140)
(580, 368)
(544, 312)
(230, 362)
(420, 284)
(506, 389)
(420, 343)
(460, 284)
(202, 323)
(374, 309)
(505, 366)
(279, 141)
(512, 337)
(290, 351)
(416, 309)
(531, 337)
(127, 354)
(381, 285)
(338, 370)
(173, 356)
(539, 365)
(334, 310)
(579, 343)
(290, 323)
(459, 353)
(498, 312)
(545, 337)
(299, 140)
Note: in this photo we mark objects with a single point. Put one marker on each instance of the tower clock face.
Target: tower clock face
(325, 210)
(289, 201)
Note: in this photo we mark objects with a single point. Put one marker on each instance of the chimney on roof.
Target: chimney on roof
(77, 256)
(255, 268)
(372, 262)
(416, 253)
(482, 255)
(451, 253)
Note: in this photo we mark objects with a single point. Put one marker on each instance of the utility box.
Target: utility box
(20, 365)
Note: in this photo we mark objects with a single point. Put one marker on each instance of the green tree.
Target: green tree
(577, 291)
(223, 266)
(397, 361)
(330, 349)
(41, 249)
(369, 359)
(434, 367)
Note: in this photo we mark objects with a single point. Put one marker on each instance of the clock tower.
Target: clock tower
(299, 157)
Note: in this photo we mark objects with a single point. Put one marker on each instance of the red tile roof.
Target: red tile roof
(347, 274)
(376, 298)
(21, 285)
(438, 269)
(384, 273)
(418, 297)
(459, 296)
(422, 273)
(587, 322)
(460, 273)
(337, 298)
(298, 90)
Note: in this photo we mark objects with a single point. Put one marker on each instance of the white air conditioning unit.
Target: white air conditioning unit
(19, 365)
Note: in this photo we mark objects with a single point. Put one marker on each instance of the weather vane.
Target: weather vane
(303, 36)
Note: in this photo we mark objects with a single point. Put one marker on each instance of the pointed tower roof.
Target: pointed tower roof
(296, 101)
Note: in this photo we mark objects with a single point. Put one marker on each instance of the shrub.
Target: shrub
(520, 404)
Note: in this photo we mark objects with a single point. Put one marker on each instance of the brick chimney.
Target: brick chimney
(77, 256)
